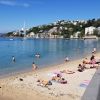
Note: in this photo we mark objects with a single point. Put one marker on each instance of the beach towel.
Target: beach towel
(85, 83)
(57, 73)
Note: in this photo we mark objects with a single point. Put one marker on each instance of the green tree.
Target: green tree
(66, 34)
(95, 32)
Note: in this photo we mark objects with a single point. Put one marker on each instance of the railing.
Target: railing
(93, 90)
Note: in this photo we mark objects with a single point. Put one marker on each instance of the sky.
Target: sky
(14, 13)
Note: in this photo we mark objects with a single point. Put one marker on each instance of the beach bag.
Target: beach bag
(49, 83)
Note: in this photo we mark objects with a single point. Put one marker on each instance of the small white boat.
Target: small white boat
(11, 39)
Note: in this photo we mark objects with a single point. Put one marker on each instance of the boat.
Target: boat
(90, 37)
(24, 32)
(11, 39)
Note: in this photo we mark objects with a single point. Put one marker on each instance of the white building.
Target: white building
(77, 34)
(61, 27)
(98, 28)
(54, 29)
(75, 23)
(89, 30)
(15, 33)
(32, 34)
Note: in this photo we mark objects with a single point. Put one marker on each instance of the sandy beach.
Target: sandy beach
(24, 86)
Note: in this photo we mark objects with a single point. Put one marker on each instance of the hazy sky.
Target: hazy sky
(13, 13)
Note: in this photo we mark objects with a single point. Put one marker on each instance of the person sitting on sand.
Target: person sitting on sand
(81, 67)
(34, 67)
(92, 60)
(94, 63)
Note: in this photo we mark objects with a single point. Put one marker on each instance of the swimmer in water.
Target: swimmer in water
(13, 59)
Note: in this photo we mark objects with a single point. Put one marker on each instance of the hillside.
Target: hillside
(60, 28)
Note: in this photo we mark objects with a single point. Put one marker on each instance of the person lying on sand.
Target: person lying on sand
(95, 66)
(59, 79)
(44, 82)
(67, 71)
(86, 61)
(56, 78)
(63, 81)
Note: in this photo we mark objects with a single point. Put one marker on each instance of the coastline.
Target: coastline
(28, 87)
(47, 67)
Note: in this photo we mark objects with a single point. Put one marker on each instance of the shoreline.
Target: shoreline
(50, 66)
(28, 87)
(45, 68)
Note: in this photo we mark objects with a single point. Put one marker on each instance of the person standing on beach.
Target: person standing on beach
(94, 50)
(13, 59)
(34, 67)
(66, 59)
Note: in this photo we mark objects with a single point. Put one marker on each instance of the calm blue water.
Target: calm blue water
(52, 51)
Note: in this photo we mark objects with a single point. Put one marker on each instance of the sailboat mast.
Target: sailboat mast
(24, 29)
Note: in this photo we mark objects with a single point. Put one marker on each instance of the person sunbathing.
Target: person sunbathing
(63, 81)
(44, 83)
(86, 61)
(59, 79)
(56, 78)
(67, 71)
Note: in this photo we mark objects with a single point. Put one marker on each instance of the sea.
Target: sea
(52, 51)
